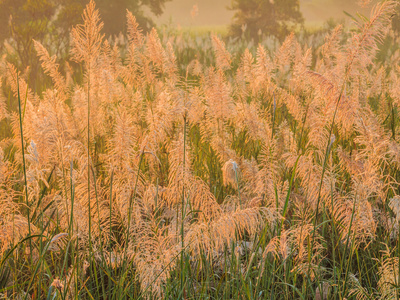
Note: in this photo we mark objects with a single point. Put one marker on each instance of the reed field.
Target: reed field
(166, 165)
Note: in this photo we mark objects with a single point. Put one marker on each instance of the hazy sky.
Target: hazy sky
(215, 12)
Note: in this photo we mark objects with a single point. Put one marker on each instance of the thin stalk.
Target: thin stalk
(238, 188)
(332, 240)
(398, 255)
(110, 213)
(88, 160)
(71, 224)
(183, 203)
(24, 165)
(273, 119)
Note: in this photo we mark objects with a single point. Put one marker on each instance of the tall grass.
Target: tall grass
(176, 167)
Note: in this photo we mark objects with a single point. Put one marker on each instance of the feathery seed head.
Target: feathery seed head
(230, 173)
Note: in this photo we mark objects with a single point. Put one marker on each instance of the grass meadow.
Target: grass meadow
(174, 165)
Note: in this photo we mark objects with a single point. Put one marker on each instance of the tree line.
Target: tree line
(50, 21)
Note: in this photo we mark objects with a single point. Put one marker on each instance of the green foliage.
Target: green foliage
(113, 13)
(50, 22)
(253, 18)
(23, 21)
(396, 21)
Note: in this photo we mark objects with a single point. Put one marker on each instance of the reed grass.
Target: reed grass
(171, 166)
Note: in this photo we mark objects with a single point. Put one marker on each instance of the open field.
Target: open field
(171, 165)
(215, 13)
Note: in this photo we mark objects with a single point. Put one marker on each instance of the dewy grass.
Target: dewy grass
(245, 193)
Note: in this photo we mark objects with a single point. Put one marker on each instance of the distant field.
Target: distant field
(203, 30)
(215, 13)
(211, 13)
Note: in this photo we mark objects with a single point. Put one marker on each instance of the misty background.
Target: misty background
(50, 21)
(217, 13)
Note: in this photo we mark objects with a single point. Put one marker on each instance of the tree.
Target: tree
(23, 21)
(270, 17)
(113, 13)
(46, 21)
(50, 21)
(396, 21)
